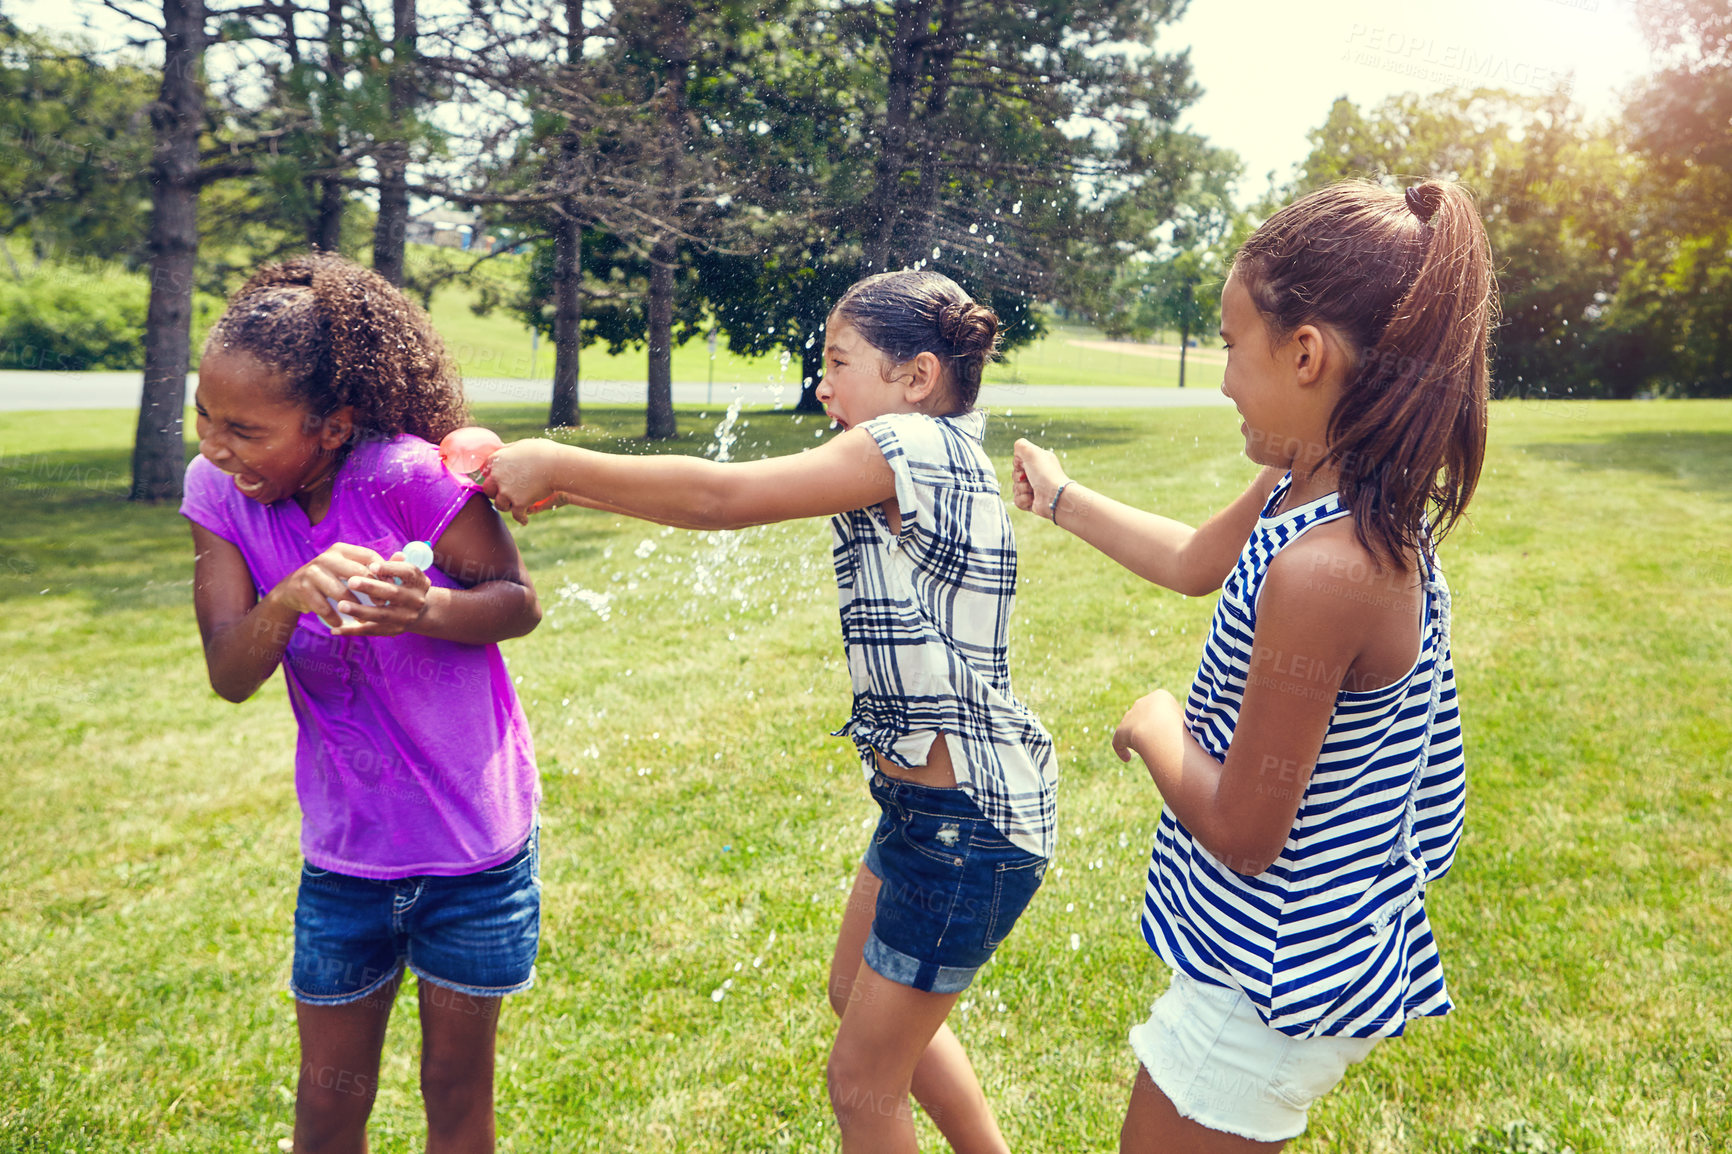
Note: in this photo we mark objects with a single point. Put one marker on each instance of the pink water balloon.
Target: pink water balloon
(465, 450)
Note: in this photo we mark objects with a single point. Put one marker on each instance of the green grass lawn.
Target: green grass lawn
(700, 824)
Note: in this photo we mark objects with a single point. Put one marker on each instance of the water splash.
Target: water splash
(726, 434)
(601, 604)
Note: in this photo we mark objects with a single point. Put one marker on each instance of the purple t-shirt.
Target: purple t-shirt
(414, 755)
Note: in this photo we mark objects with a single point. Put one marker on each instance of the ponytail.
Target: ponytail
(1406, 281)
(342, 335)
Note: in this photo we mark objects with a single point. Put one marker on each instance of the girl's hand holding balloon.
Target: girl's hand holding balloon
(1035, 476)
(359, 593)
(391, 595)
(321, 585)
(519, 479)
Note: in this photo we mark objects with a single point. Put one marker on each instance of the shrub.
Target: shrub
(76, 317)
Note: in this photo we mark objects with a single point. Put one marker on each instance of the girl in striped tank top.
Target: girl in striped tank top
(1312, 781)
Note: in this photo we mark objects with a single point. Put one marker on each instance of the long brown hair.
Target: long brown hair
(1405, 280)
(341, 334)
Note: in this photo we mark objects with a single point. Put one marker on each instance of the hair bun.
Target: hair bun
(914, 311)
(967, 327)
(1423, 200)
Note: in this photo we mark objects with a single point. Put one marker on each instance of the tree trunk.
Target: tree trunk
(659, 422)
(676, 52)
(567, 320)
(328, 225)
(1184, 343)
(159, 447)
(939, 59)
(393, 160)
(907, 57)
(327, 230)
(564, 412)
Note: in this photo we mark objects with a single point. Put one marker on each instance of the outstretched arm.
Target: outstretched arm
(1192, 561)
(848, 472)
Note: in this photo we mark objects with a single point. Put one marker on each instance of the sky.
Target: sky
(1270, 69)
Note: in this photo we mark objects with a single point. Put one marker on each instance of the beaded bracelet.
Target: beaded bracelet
(1052, 510)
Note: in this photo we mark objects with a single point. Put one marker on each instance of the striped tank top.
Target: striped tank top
(1332, 939)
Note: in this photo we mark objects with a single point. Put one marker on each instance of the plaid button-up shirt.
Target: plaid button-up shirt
(925, 618)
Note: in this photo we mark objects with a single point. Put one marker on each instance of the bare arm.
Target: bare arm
(846, 473)
(244, 637)
(1307, 640)
(1192, 561)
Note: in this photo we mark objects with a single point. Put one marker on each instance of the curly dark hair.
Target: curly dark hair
(341, 334)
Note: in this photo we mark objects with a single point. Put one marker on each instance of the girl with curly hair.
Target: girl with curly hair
(319, 394)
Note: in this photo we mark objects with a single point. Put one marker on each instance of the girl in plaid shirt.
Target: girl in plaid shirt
(926, 569)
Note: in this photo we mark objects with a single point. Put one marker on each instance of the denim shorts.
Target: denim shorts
(1223, 1067)
(476, 934)
(951, 887)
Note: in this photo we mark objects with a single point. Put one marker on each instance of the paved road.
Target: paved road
(21, 390)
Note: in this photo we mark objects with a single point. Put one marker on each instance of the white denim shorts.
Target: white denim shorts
(1222, 1067)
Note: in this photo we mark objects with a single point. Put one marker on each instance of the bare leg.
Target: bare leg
(883, 1034)
(339, 1076)
(1154, 1126)
(943, 1080)
(457, 1036)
